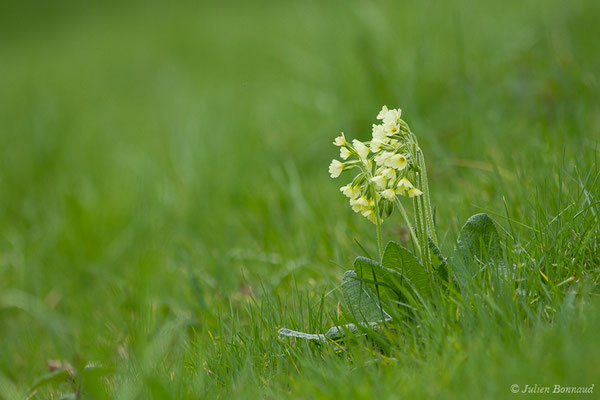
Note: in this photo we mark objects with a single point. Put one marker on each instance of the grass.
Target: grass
(165, 205)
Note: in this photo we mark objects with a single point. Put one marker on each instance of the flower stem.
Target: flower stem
(379, 244)
(409, 225)
(426, 254)
(427, 200)
(421, 231)
(378, 223)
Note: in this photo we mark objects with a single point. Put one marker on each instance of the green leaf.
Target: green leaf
(399, 259)
(302, 335)
(385, 282)
(479, 240)
(441, 271)
(335, 332)
(361, 301)
(339, 331)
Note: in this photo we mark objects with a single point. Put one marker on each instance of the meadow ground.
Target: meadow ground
(165, 204)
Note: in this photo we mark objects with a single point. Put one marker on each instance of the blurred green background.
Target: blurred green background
(162, 160)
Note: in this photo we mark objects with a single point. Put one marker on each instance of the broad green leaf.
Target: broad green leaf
(441, 270)
(339, 331)
(434, 249)
(334, 333)
(302, 335)
(385, 282)
(361, 301)
(403, 261)
(479, 239)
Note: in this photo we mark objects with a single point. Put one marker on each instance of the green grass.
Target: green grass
(165, 205)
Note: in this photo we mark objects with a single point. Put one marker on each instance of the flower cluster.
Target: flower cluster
(385, 164)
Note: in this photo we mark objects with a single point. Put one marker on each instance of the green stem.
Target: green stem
(379, 245)
(409, 225)
(426, 256)
(378, 223)
(427, 200)
(420, 216)
(420, 227)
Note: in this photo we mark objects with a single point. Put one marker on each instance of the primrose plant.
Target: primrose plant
(386, 171)
(390, 166)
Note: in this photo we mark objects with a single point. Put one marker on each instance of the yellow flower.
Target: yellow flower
(344, 153)
(340, 140)
(350, 191)
(359, 204)
(335, 168)
(414, 192)
(382, 176)
(403, 186)
(382, 113)
(383, 157)
(390, 128)
(361, 149)
(379, 132)
(376, 145)
(388, 194)
(388, 115)
(370, 215)
(346, 190)
(389, 173)
(397, 161)
(391, 116)
(379, 181)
